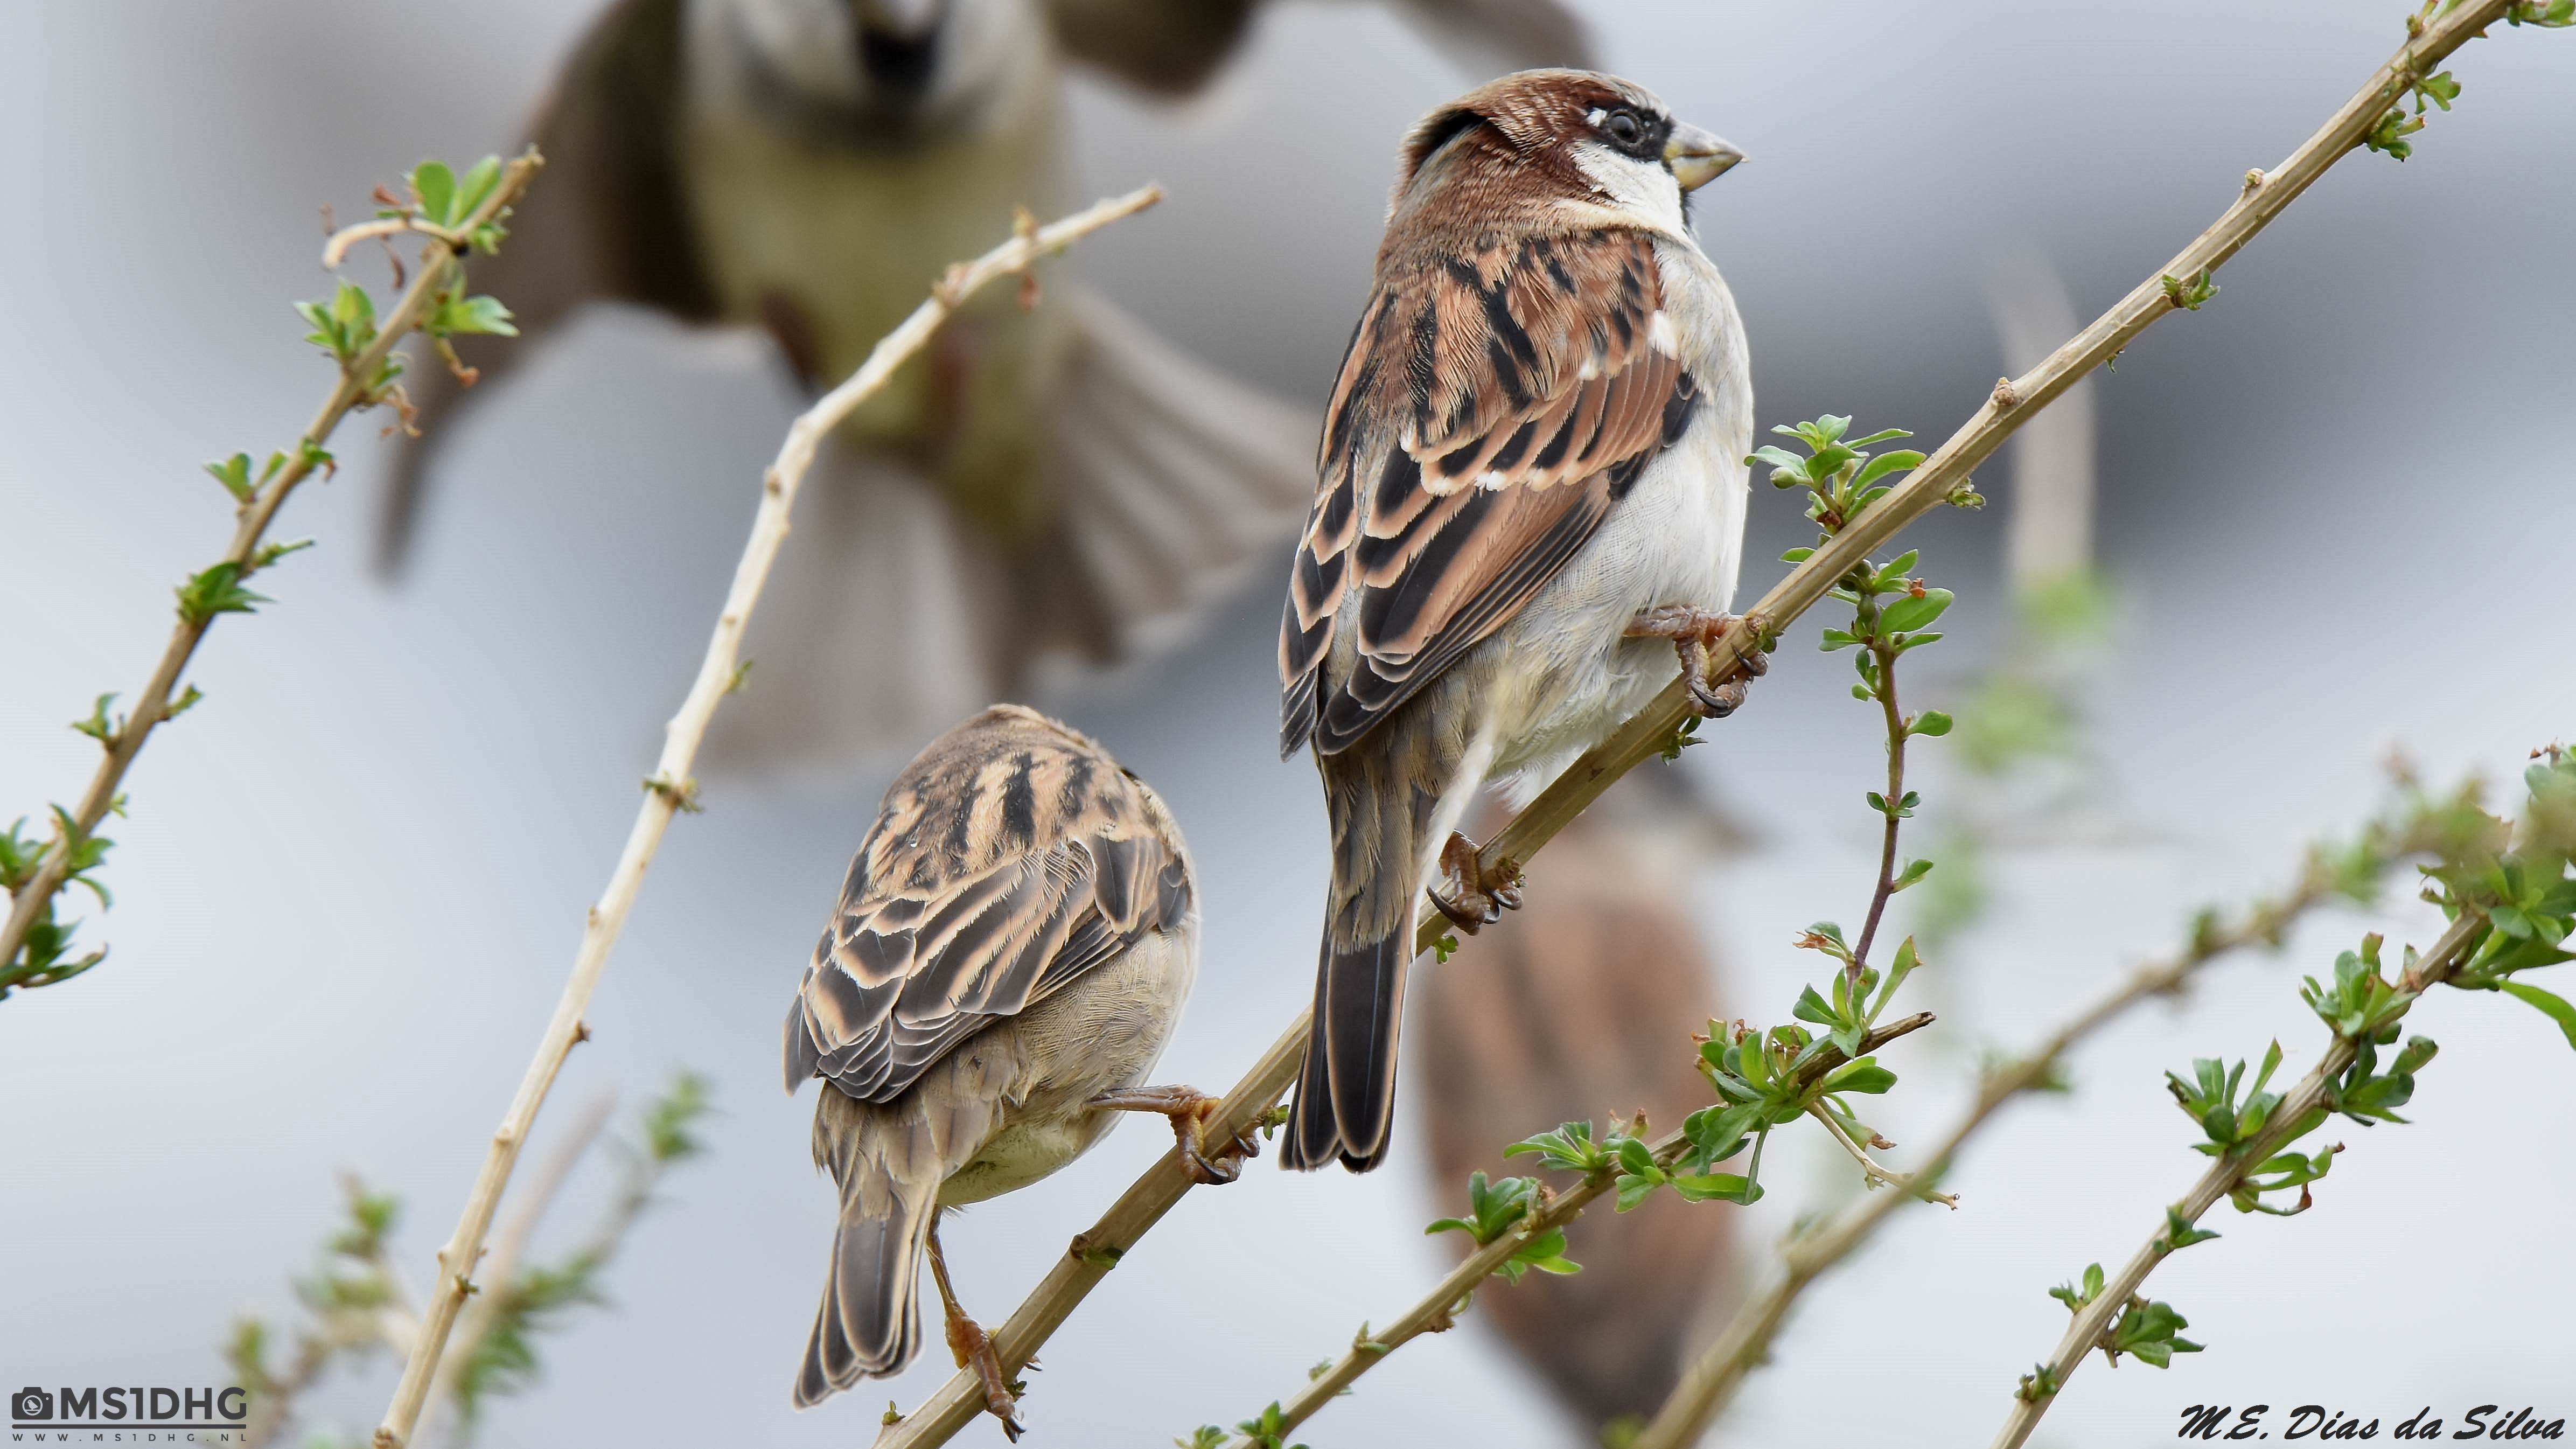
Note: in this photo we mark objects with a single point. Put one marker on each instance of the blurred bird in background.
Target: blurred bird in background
(1041, 481)
(1015, 940)
(1578, 1013)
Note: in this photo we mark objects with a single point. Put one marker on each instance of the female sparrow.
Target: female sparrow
(1012, 946)
(1532, 464)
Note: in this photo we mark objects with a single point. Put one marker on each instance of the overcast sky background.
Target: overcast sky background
(352, 881)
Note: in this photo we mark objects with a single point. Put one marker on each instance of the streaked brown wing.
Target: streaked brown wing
(1011, 857)
(1488, 416)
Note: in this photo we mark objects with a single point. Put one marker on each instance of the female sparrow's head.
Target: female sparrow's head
(1573, 135)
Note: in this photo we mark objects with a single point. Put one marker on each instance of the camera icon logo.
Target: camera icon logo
(31, 1404)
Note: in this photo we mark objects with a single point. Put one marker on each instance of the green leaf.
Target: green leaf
(234, 474)
(1886, 463)
(1722, 1186)
(217, 590)
(98, 726)
(1931, 722)
(1864, 1075)
(435, 186)
(475, 188)
(2551, 1006)
(1915, 611)
(1812, 1007)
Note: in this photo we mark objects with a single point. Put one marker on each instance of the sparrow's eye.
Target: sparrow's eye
(1623, 127)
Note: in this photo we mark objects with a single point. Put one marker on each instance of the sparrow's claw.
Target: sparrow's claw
(972, 1347)
(1477, 897)
(1188, 1108)
(1692, 631)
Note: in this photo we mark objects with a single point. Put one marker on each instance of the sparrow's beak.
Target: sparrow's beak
(1698, 158)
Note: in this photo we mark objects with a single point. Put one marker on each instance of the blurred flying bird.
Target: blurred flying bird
(1047, 481)
(1012, 946)
(1532, 471)
(1582, 1011)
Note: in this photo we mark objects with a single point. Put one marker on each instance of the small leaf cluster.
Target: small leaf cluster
(1886, 630)
(1842, 480)
(45, 959)
(1268, 1430)
(504, 1360)
(2189, 295)
(2143, 1329)
(1496, 1208)
(347, 1299)
(442, 202)
(2232, 1114)
(2389, 134)
(2527, 892)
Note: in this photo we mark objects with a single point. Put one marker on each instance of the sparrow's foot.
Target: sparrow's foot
(1692, 631)
(1477, 897)
(1188, 1108)
(973, 1347)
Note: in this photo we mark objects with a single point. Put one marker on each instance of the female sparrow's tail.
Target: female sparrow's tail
(1382, 823)
(870, 1322)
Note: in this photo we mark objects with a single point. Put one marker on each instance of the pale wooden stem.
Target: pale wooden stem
(671, 786)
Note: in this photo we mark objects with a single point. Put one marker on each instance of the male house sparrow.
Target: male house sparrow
(1055, 482)
(1012, 946)
(1580, 1012)
(1533, 461)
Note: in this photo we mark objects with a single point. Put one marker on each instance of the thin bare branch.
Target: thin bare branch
(671, 786)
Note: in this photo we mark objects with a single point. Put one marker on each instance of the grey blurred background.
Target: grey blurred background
(351, 882)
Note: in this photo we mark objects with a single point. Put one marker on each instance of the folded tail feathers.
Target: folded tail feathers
(1346, 1092)
(869, 1325)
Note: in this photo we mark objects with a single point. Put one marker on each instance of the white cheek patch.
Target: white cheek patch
(1642, 187)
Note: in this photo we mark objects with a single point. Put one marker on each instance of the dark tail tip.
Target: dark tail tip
(1346, 1093)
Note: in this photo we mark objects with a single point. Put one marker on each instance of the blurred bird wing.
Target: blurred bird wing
(1490, 412)
(1168, 485)
(606, 221)
(1000, 870)
(1169, 47)
(1487, 38)
(1174, 47)
(1172, 481)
